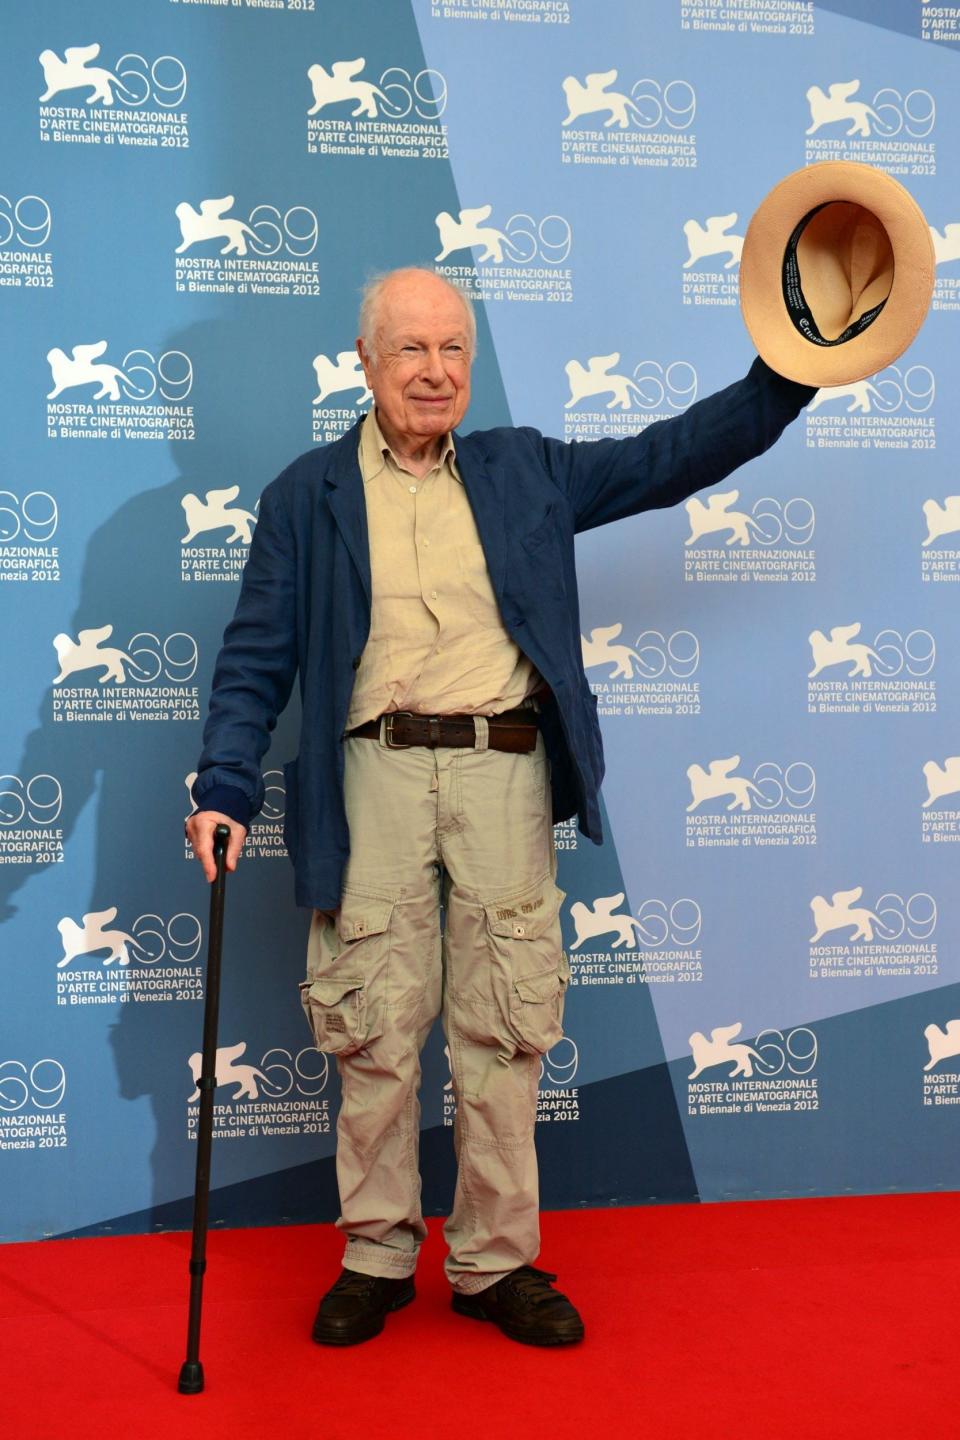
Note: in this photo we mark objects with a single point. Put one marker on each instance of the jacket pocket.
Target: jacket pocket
(542, 557)
(545, 529)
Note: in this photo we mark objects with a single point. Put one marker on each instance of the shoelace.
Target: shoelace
(351, 1282)
(533, 1285)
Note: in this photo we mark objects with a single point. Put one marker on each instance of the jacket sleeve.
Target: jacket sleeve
(255, 670)
(606, 480)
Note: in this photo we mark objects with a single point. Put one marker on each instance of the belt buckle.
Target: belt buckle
(388, 720)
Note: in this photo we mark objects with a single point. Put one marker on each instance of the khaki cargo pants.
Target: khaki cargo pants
(378, 976)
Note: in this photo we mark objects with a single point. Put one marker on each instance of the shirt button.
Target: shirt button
(433, 594)
(426, 541)
(413, 489)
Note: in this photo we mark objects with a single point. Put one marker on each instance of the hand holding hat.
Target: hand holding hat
(837, 273)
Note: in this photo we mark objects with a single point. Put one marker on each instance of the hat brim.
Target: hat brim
(765, 313)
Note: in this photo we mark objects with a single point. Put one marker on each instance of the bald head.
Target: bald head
(411, 285)
(416, 345)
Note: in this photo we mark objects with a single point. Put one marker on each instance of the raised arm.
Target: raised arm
(606, 480)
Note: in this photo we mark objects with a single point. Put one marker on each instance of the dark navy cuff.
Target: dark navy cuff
(802, 394)
(228, 800)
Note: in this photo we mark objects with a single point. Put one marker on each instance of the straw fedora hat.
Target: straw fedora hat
(836, 274)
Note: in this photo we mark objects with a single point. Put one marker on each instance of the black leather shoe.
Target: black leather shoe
(356, 1307)
(526, 1307)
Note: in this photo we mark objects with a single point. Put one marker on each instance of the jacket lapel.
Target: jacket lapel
(485, 491)
(347, 503)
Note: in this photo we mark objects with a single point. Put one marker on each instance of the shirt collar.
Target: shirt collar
(374, 449)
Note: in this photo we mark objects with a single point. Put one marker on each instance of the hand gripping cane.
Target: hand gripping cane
(191, 1371)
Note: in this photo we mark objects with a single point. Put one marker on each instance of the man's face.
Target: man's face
(420, 372)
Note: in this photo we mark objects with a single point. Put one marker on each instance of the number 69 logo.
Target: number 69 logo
(42, 1087)
(162, 81)
(38, 800)
(27, 221)
(35, 516)
(793, 1050)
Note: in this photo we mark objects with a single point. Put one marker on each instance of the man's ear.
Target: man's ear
(365, 360)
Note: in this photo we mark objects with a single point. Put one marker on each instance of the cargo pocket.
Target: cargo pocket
(348, 958)
(538, 1007)
(524, 936)
(336, 1012)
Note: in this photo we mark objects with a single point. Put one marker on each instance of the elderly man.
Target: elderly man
(422, 586)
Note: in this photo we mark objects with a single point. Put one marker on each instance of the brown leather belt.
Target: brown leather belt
(513, 730)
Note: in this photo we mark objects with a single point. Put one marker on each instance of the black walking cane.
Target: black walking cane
(191, 1371)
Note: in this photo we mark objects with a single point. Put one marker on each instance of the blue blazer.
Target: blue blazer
(304, 606)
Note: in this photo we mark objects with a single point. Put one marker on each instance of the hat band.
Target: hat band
(799, 311)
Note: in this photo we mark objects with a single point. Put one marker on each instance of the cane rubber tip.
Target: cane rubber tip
(191, 1378)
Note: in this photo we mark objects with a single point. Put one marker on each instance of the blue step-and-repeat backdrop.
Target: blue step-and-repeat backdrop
(766, 992)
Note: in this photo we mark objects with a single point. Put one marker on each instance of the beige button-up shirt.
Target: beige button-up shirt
(437, 644)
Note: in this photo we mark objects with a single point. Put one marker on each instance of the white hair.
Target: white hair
(372, 293)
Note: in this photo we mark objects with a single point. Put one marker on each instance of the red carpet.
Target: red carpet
(784, 1320)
